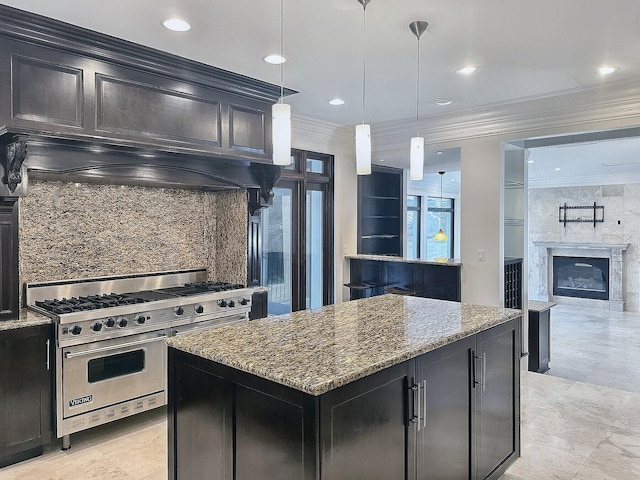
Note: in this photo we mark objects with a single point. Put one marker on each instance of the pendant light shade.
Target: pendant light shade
(416, 152)
(281, 116)
(441, 236)
(416, 159)
(281, 133)
(363, 131)
(363, 149)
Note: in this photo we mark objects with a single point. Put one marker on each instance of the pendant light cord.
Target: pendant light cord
(418, 89)
(281, 52)
(364, 57)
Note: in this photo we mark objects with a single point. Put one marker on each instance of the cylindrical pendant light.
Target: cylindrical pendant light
(281, 133)
(416, 153)
(281, 116)
(416, 158)
(363, 149)
(363, 131)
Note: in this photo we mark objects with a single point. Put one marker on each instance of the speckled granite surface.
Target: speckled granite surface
(318, 350)
(391, 258)
(537, 306)
(70, 230)
(26, 318)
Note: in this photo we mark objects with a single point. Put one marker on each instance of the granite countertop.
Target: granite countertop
(26, 318)
(393, 258)
(315, 351)
(536, 306)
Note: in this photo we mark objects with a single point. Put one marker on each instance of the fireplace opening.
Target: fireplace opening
(582, 277)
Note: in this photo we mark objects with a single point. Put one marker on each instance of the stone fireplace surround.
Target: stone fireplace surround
(614, 252)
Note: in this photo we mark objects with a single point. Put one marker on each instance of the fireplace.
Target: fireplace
(612, 270)
(582, 277)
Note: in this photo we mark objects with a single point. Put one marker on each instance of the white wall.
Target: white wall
(480, 134)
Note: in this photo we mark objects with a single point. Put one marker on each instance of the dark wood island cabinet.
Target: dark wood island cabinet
(384, 387)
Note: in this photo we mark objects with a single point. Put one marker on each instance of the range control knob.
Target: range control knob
(122, 322)
(96, 327)
(178, 310)
(244, 301)
(110, 322)
(140, 319)
(199, 309)
(76, 330)
(232, 303)
(222, 303)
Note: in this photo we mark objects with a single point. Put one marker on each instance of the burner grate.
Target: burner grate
(90, 302)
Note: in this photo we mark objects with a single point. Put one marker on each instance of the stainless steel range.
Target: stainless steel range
(110, 331)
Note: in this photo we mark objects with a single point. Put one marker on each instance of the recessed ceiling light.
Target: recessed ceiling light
(606, 70)
(531, 161)
(176, 25)
(274, 59)
(466, 70)
(336, 101)
(381, 160)
(439, 152)
(557, 169)
(452, 179)
(443, 102)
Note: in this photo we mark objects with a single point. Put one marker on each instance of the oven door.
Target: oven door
(108, 372)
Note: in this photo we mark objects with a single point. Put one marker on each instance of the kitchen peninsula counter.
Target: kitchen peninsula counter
(372, 275)
(26, 318)
(347, 391)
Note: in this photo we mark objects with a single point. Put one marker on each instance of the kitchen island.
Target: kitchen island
(384, 387)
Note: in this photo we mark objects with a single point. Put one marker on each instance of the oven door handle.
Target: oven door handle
(113, 347)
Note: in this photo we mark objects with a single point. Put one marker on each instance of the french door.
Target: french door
(296, 236)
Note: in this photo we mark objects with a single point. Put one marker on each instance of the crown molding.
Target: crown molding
(519, 119)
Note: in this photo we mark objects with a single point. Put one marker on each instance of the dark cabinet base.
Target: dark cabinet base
(25, 393)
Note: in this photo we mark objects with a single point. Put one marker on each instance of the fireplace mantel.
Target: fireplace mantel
(590, 246)
(613, 251)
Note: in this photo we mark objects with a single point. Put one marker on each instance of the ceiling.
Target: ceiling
(523, 50)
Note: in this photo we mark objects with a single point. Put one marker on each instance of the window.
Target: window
(297, 236)
(439, 216)
(413, 226)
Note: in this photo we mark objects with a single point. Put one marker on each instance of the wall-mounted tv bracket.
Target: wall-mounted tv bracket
(597, 217)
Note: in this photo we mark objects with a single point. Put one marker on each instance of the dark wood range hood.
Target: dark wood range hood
(77, 105)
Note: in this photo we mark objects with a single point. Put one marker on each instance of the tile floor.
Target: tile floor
(596, 346)
(570, 429)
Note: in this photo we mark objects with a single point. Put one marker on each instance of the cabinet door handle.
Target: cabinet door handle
(48, 353)
(483, 377)
(415, 389)
(424, 405)
(484, 371)
(418, 388)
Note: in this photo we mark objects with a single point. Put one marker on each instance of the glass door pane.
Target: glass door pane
(314, 250)
(277, 250)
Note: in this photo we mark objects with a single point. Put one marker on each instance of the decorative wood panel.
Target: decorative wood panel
(46, 92)
(8, 259)
(135, 108)
(247, 129)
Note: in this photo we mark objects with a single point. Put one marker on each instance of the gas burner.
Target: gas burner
(201, 287)
(90, 302)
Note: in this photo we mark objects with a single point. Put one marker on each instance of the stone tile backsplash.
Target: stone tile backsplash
(70, 230)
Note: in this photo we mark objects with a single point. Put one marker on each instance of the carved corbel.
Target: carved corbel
(266, 176)
(14, 155)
